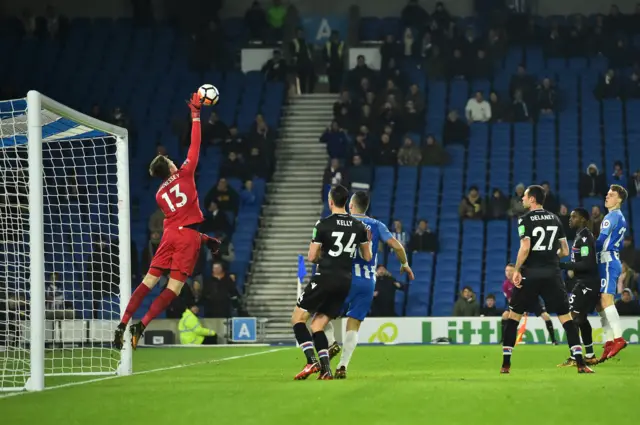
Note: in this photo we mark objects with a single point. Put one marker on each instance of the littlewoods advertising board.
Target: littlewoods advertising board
(471, 330)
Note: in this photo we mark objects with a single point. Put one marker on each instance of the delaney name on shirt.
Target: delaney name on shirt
(541, 217)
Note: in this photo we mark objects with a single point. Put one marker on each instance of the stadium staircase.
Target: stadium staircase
(293, 204)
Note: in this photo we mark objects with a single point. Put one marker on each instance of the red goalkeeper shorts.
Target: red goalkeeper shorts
(178, 252)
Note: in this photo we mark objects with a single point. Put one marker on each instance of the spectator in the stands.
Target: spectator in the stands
(334, 61)
(598, 42)
(226, 253)
(426, 46)
(399, 233)
(366, 119)
(433, 153)
(392, 89)
(214, 130)
(633, 185)
(482, 66)
(627, 305)
(234, 142)
(390, 50)
(563, 215)
(215, 220)
(496, 44)
(546, 97)
(632, 89)
(360, 72)
(29, 23)
(412, 121)
(54, 295)
(156, 221)
(359, 173)
(620, 56)
(497, 205)
(608, 86)
(276, 16)
(471, 205)
(455, 130)
(256, 164)
(416, 97)
(596, 219)
(387, 153)
(388, 116)
(362, 149)
(522, 82)
(629, 254)
(478, 109)
(247, 194)
(219, 294)
(520, 109)
(470, 44)
(224, 196)
(334, 175)
(458, 65)
(498, 111)
(592, 183)
(618, 176)
(255, 18)
(384, 295)
(301, 54)
(441, 15)
(363, 89)
(551, 202)
(343, 102)
(345, 120)
(409, 153)
(466, 305)
(489, 309)
(409, 44)
(336, 141)
(103, 269)
(233, 167)
(96, 112)
(436, 66)
(554, 45)
(423, 239)
(516, 208)
(414, 15)
(532, 34)
(275, 69)
(628, 279)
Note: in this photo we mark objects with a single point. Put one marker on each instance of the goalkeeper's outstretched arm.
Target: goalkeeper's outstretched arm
(196, 135)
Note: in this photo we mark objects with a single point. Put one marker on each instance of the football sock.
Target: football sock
(573, 339)
(329, 332)
(322, 347)
(613, 318)
(134, 302)
(552, 334)
(159, 305)
(348, 347)
(509, 340)
(586, 332)
(605, 326)
(303, 336)
(504, 324)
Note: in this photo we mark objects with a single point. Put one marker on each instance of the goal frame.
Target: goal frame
(36, 102)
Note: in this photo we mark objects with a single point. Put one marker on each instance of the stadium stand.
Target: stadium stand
(145, 72)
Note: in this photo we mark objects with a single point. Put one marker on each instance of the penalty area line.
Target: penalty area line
(145, 372)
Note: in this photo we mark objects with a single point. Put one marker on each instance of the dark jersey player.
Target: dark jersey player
(537, 274)
(179, 248)
(585, 294)
(333, 246)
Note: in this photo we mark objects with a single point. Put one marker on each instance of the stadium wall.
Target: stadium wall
(470, 330)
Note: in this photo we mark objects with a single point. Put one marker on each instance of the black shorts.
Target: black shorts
(325, 294)
(540, 283)
(583, 299)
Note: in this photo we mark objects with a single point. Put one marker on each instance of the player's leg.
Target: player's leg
(334, 347)
(505, 319)
(357, 312)
(586, 334)
(309, 300)
(321, 344)
(610, 277)
(517, 307)
(555, 295)
(542, 313)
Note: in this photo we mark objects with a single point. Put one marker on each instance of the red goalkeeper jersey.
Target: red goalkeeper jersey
(177, 196)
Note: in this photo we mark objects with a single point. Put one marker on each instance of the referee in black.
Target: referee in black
(333, 247)
(585, 294)
(537, 274)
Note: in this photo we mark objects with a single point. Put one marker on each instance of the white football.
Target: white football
(208, 94)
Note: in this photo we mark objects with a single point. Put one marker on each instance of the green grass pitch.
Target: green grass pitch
(387, 385)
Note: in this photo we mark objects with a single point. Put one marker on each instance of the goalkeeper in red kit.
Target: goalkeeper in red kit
(179, 248)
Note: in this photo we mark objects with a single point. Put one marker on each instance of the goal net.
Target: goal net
(64, 243)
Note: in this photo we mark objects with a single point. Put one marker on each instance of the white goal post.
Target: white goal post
(65, 243)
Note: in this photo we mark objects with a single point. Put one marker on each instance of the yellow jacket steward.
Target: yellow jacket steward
(191, 331)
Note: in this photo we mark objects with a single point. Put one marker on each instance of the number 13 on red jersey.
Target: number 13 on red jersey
(178, 196)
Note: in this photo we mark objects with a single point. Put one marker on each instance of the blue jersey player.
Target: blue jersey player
(363, 278)
(608, 246)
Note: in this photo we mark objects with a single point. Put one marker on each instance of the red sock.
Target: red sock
(159, 305)
(136, 299)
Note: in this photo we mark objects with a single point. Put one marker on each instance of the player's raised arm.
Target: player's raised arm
(397, 247)
(195, 103)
